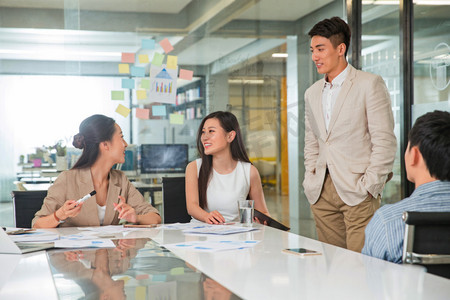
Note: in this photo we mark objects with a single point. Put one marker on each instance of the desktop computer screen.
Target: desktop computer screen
(164, 158)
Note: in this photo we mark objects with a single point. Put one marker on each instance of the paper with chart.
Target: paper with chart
(39, 235)
(163, 84)
(212, 246)
(76, 243)
(217, 229)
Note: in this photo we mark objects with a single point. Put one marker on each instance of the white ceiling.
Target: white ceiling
(107, 46)
(150, 6)
(209, 49)
(286, 10)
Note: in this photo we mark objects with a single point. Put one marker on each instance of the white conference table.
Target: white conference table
(261, 272)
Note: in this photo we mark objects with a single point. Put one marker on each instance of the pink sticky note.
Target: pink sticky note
(166, 45)
(127, 57)
(142, 276)
(186, 74)
(142, 113)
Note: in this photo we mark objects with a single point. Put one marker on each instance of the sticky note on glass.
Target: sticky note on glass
(143, 58)
(137, 71)
(157, 59)
(140, 293)
(141, 94)
(166, 45)
(128, 57)
(172, 61)
(145, 84)
(186, 74)
(123, 110)
(159, 110)
(117, 95)
(176, 119)
(124, 68)
(142, 113)
(127, 83)
(177, 271)
(159, 277)
(148, 44)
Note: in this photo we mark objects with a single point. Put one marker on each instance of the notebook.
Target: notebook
(9, 247)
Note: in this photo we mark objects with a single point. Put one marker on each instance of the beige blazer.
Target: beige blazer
(75, 183)
(359, 147)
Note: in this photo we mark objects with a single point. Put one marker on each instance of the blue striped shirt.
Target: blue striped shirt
(386, 230)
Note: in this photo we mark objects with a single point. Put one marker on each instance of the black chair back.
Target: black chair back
(26, 204)
(427, 241)
(174, 200)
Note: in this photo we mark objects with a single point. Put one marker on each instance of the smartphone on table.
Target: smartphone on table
(301, 251)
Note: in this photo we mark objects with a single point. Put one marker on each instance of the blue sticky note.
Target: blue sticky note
(137, 71)
(159, 110)
(159, 277)
(148, 44)
(128, 83)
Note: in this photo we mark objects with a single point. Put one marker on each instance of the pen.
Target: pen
(139, 226)
(86, 197)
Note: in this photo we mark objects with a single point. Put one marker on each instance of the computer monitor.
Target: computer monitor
(163, 158)
(130, 159)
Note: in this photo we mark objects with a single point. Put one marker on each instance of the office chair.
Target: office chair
(174, 200)
(26, 204)
(427, 241)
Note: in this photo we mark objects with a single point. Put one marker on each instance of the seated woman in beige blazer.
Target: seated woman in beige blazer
(116, 198)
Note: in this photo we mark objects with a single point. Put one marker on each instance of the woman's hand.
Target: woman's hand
(256, 220)
(214, 217)
(126, 212)
(70, 209)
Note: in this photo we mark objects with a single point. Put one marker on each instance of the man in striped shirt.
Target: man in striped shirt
(427, 162)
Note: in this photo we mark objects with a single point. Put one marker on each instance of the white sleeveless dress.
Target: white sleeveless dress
(224, 190)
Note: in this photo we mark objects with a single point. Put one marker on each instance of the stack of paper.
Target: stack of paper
(39, 235)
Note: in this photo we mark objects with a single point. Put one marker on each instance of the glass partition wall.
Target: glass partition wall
(157, 67)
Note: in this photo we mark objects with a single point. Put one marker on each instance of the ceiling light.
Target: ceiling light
(279, 55)
(246, 81)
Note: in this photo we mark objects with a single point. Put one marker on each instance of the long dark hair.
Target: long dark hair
(93, 130)
(229, 123)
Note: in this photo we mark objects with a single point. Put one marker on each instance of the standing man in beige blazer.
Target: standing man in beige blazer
(349, 139)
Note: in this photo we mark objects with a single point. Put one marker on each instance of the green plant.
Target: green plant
(60, 149)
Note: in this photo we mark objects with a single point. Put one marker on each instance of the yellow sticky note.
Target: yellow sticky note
(141, 94)
(123, 110)
(140, 293)
(143, 58)
(172, 61)
(176, 119)
(125, 279)
(124, 68)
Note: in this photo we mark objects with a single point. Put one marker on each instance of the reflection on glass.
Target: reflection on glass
(431, 59)
(380, 54)
(135, 269)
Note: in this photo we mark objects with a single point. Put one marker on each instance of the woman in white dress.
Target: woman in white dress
(223, 175)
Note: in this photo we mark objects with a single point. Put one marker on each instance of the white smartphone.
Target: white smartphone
(301, 251)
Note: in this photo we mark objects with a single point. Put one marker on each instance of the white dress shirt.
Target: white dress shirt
(330, 93)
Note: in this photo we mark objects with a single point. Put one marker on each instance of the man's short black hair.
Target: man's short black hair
(334, 29)
(431, 134)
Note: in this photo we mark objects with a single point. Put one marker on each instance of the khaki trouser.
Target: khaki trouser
(340, 224)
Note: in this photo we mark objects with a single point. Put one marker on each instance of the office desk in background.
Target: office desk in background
(261, 272)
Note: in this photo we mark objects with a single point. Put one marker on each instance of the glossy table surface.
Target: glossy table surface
(261, 272)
